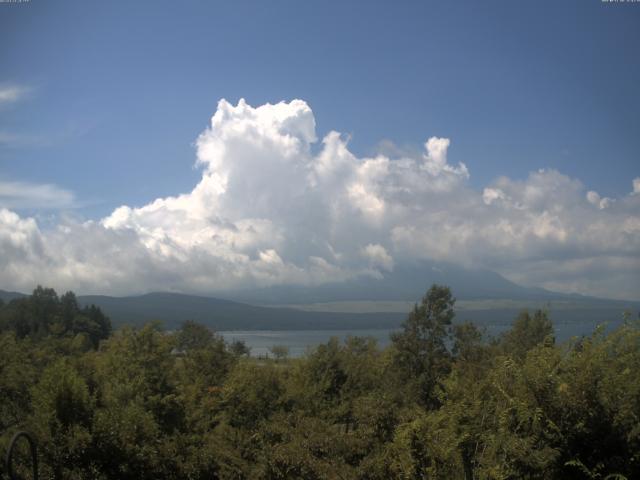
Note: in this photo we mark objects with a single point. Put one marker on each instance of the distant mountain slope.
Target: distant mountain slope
(172, 309)
(406, 282)
(482, 295)
(8, 296)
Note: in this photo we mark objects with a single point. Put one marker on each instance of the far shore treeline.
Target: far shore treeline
(442, 401)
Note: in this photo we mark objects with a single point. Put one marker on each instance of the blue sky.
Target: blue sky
(113, 95)
(127, 86)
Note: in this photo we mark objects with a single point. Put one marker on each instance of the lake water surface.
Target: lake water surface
(301, 341)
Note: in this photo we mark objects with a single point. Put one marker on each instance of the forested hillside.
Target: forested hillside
(442, 401)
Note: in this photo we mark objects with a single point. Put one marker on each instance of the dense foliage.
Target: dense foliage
(440, 402)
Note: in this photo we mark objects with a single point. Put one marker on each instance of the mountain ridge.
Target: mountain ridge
(406, 282)
(483, 296)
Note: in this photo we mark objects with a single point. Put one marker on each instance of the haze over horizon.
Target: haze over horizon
(383, 152)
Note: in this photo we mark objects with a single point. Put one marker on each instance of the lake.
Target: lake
(301, 341)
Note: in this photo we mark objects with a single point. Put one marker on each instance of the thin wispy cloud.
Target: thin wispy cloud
(13, 140)
(12, 93)
(18, 140)
(24, 195)
(268, 211)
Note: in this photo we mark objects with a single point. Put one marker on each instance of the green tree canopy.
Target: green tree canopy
(421, 352)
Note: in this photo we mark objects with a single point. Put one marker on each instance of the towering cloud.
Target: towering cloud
(268, 210)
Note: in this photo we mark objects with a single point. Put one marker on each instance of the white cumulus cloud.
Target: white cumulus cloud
(595, 199)
(270, 209)
(490, 195)
(378, 256)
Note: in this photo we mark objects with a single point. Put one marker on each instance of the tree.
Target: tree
(68, 309)
(17, 375)
(467, 344)
(63, 411)
(526, 333)
(239, 348)
(99, 326)
(280, 352)
(141, 412)
(43, 314)
(193, 336)
(45, 307)
(421, 353)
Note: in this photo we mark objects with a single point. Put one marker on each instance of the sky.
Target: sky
(199, 146)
